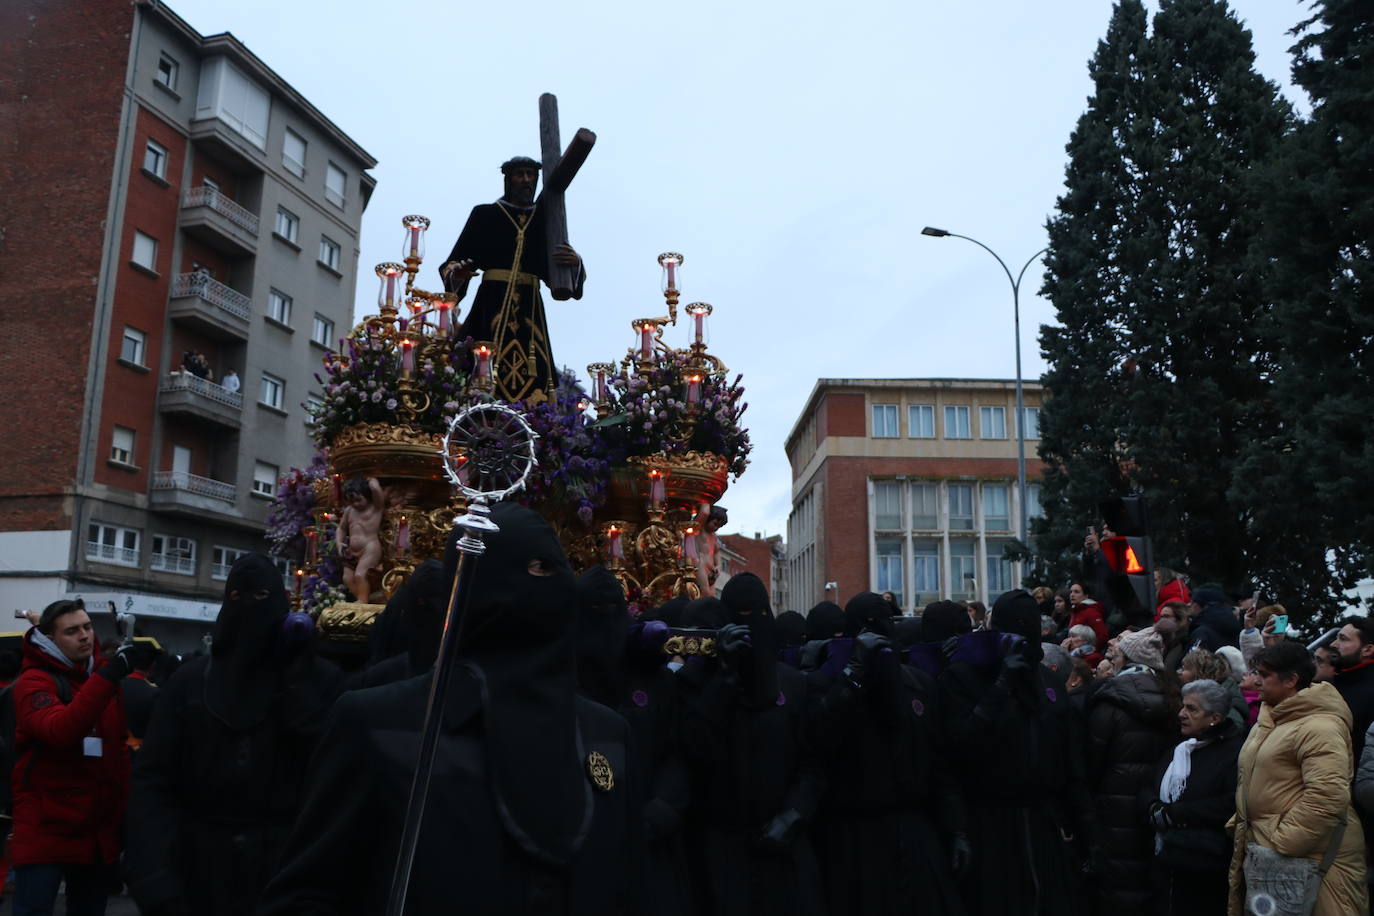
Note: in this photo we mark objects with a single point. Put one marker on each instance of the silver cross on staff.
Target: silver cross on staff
(559, 171)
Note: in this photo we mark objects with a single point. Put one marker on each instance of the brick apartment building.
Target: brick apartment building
(909, 486)
(762, 556)
(162, 192)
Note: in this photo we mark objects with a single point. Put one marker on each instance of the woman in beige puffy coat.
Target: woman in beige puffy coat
(1294, 781)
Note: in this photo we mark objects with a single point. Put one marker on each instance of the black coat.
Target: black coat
(1216, 626)
(1185, 885)
(211, 805)
(342, 850)
(748, 765)
(1356, 687)
(1020, 756)
(893, 804)
(1130, 724)
(139, 697)
(652, 710)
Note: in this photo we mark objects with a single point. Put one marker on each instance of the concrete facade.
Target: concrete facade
(142, 192)
(909, 486)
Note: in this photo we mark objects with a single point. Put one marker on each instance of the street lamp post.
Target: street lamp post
(1020, 406)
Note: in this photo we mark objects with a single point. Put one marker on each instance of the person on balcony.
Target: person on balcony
(230, 382)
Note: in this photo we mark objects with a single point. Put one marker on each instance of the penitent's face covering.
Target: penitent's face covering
(255, 604)
(523, 590)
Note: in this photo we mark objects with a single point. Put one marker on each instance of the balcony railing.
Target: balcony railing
(213, 292)
(185, 381)
(168, 563)
(200, 486)
(108, 553)
(209, 197)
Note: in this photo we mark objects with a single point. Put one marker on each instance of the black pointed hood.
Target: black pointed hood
(602, 623)
(824, 621)
(746, 598)
(517, 639)
(244, 675)
(868, 611)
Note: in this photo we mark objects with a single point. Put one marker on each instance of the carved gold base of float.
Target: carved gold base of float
(348, 621)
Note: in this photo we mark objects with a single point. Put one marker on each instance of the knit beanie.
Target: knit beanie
(1143, 647)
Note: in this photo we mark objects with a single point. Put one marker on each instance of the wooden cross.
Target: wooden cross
(559, 171)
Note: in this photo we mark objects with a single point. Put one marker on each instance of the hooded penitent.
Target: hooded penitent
(516, 638)
(602, 622)
(791, 628)
(746, 598)
(706, 613)
(943, 619)
(868, 611)
(248, 655)
(825, 621)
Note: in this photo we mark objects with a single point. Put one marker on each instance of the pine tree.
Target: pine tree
(1310, 471)
(1152, 271)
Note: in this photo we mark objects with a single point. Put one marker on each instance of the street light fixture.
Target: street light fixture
(1020, 406)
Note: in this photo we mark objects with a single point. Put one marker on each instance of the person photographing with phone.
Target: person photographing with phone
(71, 779)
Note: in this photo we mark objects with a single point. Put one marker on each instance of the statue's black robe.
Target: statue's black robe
(342, 851)
(523, 354)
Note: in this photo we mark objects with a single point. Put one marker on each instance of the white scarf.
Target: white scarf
(1176, 777)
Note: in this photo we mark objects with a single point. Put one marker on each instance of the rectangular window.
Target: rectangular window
(313, 406)
(884, 421)
(134, 345)
(227, 94)
(210, 184)
(288, 225)
(925, 569)
(961, 507)
(335, 181)
(992, 422)
(293, 153)
(155, 159)
(279, 307)
(999, 570)
(329, 252)
(265, 479)
(887, 505)
(223, 559)
(963, 568)
(1032, 420)
(145, 251)
(925, 508)
(956, 423)
(272, 392)
(889, 555)
(173, 554)
(167, 72)
(996, 507)
(920, 421)
(284, 567)
(112, 544)
(122, 446)
(322, 331)
(1033, 509)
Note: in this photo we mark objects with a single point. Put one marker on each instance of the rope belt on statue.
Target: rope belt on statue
(518, 277)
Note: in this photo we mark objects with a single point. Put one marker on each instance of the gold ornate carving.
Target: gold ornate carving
(348, 620)
(600, 772)
(689, 645)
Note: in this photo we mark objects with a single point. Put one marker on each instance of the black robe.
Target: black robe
(1021, 764)
(342, 851)
(883, 833)
(523, 360)
(749, 763)
(211, 805)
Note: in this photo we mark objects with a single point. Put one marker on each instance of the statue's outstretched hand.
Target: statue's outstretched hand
(457, 270)
(563, 254)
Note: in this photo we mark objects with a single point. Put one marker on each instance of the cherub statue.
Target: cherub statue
(359, 524)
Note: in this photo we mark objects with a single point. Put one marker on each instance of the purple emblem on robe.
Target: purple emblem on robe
(640, 698)
(1049, 692)
(782, 698)
(918, 707)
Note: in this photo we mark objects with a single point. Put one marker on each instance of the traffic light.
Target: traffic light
(1129, 554)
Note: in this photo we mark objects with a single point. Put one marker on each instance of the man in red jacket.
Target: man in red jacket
(71, 778)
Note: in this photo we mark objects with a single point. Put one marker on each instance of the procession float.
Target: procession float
(626, 467)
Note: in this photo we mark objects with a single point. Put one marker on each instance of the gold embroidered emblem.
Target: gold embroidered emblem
(599, 769)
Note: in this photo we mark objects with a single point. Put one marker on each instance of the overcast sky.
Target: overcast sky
(791, 152)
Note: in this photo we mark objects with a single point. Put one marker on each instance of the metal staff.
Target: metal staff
(488, 454)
